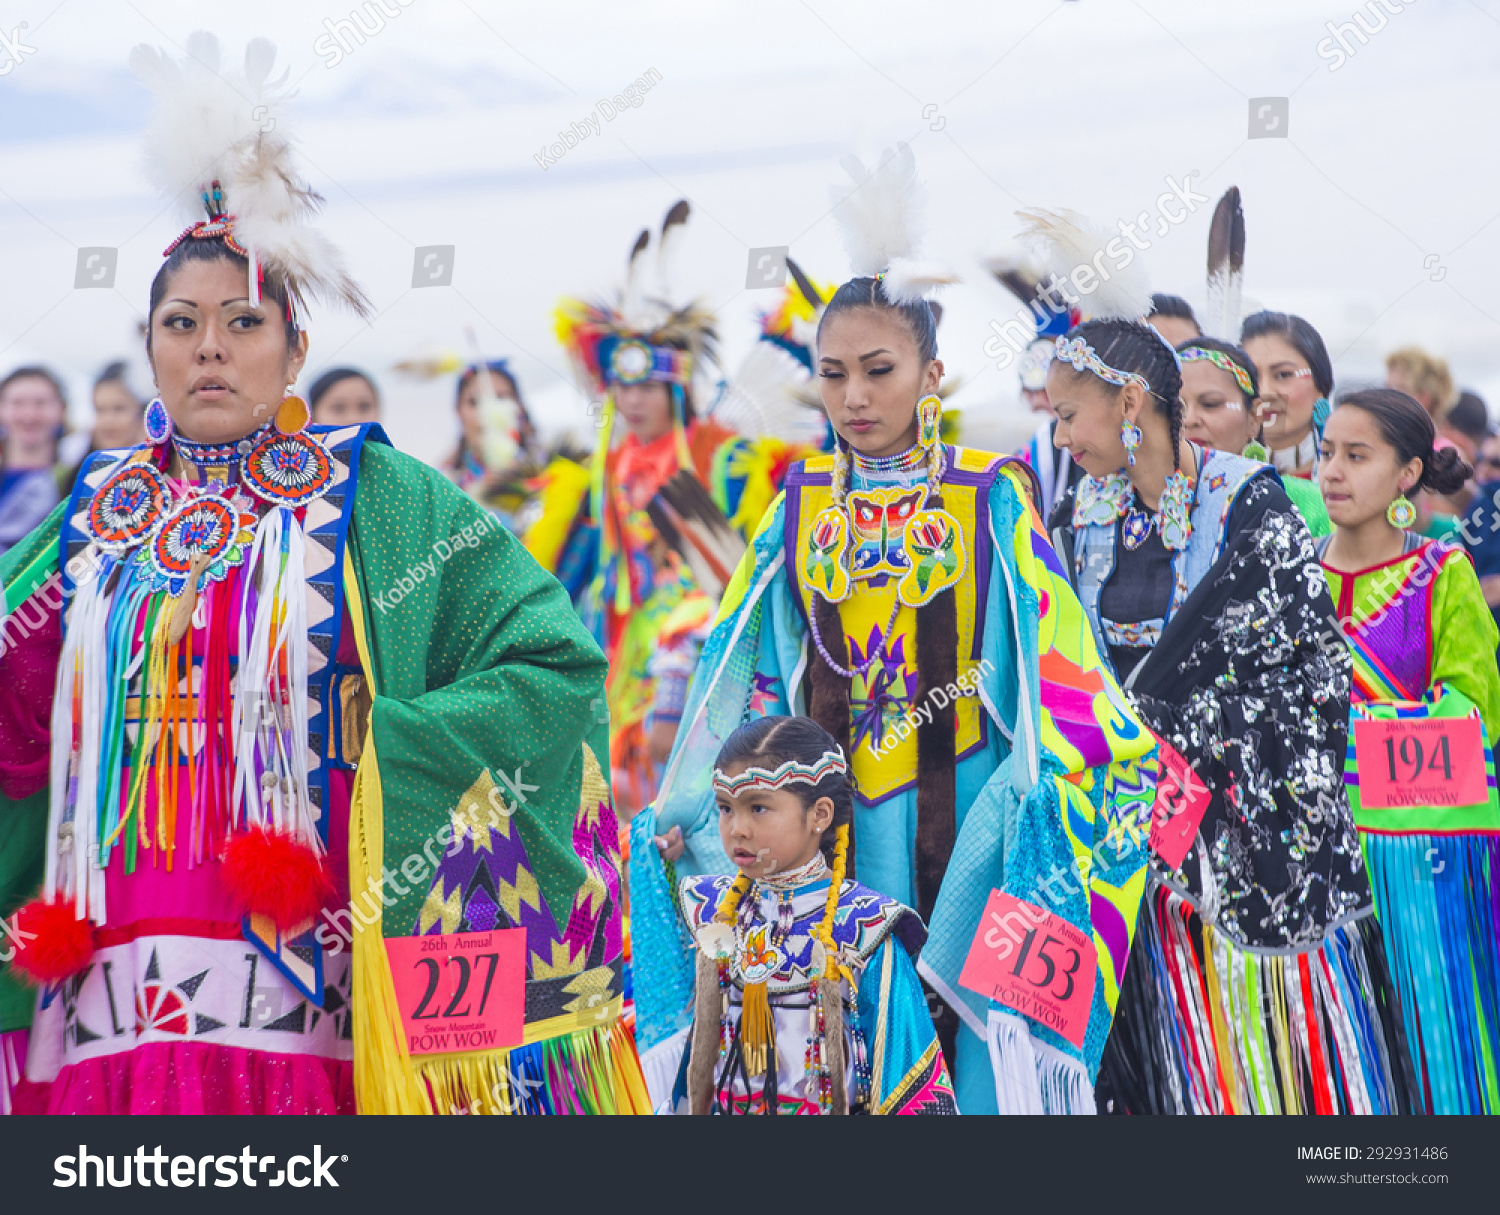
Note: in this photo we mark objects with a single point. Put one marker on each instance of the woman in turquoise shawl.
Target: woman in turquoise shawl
(903, 593)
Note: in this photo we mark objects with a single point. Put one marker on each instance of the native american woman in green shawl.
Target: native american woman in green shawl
(299, 750)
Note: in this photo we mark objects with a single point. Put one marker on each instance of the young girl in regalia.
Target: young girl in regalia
(1423, 644)
(1256, 984)
(903, 594)
(806, 1000)
(229, 659)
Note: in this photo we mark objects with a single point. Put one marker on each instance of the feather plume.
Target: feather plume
(805, 285)
(1226, 267)
(762, 400)
(669, 243)
(213, 122)
(633, 293)
(910, 280)
(1065, 240)
(687, 518)
(879, 218)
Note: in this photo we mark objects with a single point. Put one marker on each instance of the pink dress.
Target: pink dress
(176, 1012)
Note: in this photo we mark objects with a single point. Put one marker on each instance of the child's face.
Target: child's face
(766, 831)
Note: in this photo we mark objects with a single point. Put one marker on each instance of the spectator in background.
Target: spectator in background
(1480, 526)
(1424, 377)
(1466, 424)
(33, 418)
(119, 420)
(1172, 317)
(342, 396)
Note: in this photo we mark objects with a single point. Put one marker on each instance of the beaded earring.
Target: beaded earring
(1401, 514)
(929, 437)
(1130, 435)
(158, 423)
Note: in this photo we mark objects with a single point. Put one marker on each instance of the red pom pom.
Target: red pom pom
(277, 876)
(54, 942)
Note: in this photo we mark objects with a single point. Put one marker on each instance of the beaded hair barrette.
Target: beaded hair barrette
(789, 773)
(1078, 354)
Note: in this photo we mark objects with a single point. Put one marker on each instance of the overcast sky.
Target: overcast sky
(1373, 215)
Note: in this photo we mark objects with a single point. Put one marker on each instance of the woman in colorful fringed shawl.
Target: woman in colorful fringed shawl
(1423, 644)
(1258, 984)
(273, 698)
(903, 593)
(647, 538)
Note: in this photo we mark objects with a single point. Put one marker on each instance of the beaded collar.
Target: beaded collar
(1100, 501)
(801, 875)
(216, 455)
(911, 460)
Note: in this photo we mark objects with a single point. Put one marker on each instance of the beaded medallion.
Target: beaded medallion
(287, 469)
(208, 527)
(128, 507)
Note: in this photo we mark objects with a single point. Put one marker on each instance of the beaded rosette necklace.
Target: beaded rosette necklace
(221, 554)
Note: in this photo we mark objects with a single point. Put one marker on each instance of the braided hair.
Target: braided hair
(1133, 346)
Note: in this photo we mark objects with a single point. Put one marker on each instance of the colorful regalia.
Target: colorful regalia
(1423, 645)
(258, 724)
(885, 1059)
(1042, 758)
(1258, 984)
(646, 540)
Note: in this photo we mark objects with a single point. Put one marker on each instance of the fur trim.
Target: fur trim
(55, 943)
(703, 1047)
(831, 996)
(276, 875)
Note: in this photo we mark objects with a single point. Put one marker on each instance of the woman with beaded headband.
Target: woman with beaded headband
(1202, 590)
(1221, 412)
(806, 1000)
(903, 594)
(225, 660)
(647, 540)
(1426, 704)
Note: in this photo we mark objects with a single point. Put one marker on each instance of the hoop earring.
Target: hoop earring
(158, 423)
(1401, 514)
(1130, 435)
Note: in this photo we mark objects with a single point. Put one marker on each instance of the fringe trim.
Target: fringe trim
(591, 1071)
(1032, 1077)
(1438, 901)
(1207, 1027)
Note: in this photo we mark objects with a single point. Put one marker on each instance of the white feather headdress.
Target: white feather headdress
(1065, 240)
(881, 222)
(218, 125)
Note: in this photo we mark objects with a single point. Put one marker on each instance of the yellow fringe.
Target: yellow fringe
(757, 1029)
(600, 1062)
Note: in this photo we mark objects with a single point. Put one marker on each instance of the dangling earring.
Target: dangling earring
(1321, 410)
(1130, 435)
(1401, 514)
(158, 423)
(293, 414)
(929, 421)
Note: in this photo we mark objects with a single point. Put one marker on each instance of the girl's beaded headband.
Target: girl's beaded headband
(1078, 354)
(790, 773)
(1196, 354)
